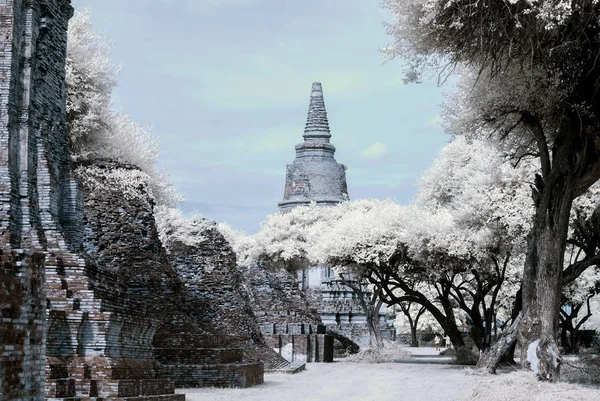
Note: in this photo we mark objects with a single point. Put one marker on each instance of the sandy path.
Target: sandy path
(344, 381)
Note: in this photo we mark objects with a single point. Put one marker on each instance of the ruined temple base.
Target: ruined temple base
(241, 375)
(102, 378)
(298, 342)
(205, 360)
(171, 397)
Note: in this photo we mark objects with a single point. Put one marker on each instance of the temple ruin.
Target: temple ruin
(92, 305)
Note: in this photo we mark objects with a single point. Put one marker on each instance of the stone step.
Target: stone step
(280, 366)
(291, 368)
(220, 375)
(129, 388)
(163, 397)
(60, 388)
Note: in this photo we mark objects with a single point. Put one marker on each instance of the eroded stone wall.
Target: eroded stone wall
(276, 296)
(208, 270)
(158, 312)
(32, 136)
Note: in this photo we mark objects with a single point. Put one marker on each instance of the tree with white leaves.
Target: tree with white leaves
(96, 131)
(490, 206)
(576, 299)
(532, 79)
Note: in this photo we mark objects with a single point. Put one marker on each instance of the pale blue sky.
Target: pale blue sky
(226, 85)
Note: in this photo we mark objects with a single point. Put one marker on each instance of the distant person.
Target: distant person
(448, 342)
(437, 341)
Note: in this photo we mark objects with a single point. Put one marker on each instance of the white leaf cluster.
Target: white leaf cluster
(426, 322)
(90, 78)
(482, 201)
(579, 290)
(96, 130)
(133, 184)
(174, 227)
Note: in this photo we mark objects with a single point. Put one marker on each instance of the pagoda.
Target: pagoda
(315, 175)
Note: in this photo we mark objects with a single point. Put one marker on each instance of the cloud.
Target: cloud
(205, 5)
(275, 79)
(374, 151)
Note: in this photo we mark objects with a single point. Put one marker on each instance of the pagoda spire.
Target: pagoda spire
(317, 125)
(315, 175)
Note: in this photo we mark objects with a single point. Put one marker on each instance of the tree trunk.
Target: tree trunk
(454, 333)
(372, 317)
(490, 359)
(412, 323)
(414, 341)
(542, 275)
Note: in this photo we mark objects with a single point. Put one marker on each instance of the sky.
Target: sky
(225, 84)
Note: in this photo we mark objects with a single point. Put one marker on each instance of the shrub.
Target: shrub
(466, 355)
(390, 352)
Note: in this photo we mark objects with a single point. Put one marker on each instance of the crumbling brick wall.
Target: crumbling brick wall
(276, 296)
(40, 232)
(157, 314)
(210, 274)
(32, 116)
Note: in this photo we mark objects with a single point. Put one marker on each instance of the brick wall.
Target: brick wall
(32, 116)
(277, 298)
(210, 275)
(22, 311)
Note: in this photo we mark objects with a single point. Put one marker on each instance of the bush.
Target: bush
(464, 355)
(390, 352)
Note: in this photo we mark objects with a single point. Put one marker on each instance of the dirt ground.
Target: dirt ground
(345, 381)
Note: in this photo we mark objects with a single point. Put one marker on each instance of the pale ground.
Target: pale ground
(345, 381)
(422, 381)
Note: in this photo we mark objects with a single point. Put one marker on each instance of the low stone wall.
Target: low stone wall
(206, 360)
(299, 342)
(217, 375)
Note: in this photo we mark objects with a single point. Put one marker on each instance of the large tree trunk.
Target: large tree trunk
(413, 323)
(542, 284)
(414, 341)
(453, 332)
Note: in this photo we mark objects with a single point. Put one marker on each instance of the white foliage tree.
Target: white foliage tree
(96, 130)
(532, 78)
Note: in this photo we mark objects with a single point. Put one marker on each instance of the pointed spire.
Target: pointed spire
(317, 125)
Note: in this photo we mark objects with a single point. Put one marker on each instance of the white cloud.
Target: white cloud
(374, 151)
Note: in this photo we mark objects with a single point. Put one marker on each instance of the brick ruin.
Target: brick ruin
(287, 321)
(172, 324)
(57, 328)
(92, 307)
(218, 299)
